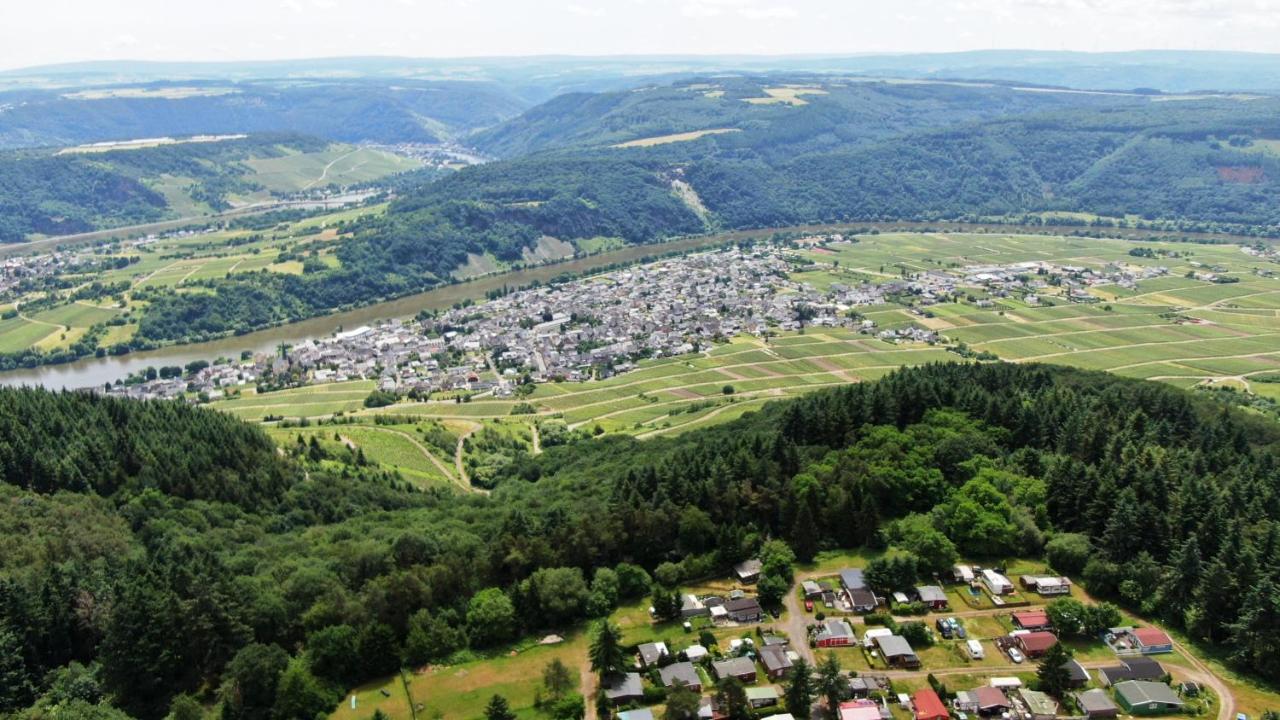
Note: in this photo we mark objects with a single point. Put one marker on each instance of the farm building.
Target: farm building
(1096, 704)
(1032, 620)
(1038, 706)
(776, 661)
(897, 651)
(835, 632)
(929, 706)
(1142, 697)
(1035, 644)
(738, 667)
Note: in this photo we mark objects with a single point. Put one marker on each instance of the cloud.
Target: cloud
(768, 13)
(585, 11)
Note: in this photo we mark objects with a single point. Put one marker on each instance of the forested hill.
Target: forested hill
(1151, 496)
(777, 151)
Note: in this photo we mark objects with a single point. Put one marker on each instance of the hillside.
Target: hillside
(90, 187)
(344, 111)
(1155, 498)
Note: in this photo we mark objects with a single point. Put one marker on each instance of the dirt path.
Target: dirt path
(325, 172)
(457, 454)
(795, 626)
(537, 439)
(441, 466)
(587, 680)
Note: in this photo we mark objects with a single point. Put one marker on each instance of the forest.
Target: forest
(137, 580)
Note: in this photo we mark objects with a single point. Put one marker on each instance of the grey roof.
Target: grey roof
(852, 579)
(650, 653)
(835, 628)
(682, 672)
(894, 646)
(1078, 673)
(775, 658)
(748, 567)
(624, 686)
(1095, 701)
(745, 604)
(637, 714)
(1139, 692)
(931, 593)
(733, 666)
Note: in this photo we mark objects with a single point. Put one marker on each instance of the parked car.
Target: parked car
(1015, 655)
(808, 606)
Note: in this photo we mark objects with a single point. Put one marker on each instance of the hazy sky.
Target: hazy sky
(34, 32)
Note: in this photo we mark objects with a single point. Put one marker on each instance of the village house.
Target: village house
(1046, 585)
(1036, 644)
(932, 596)
(1032, 620)
(748, 571)
(986, 701)
(928, 706)
(1133, 668)
(996, 583)
(859, 710)
(897, 651)
(624, 688)
(744, 610)
(738, 667)
(1143, 697)
(1096, 704)
(1036, 705)
(835, 632)
(681, 673)
(776, 661)
(758, 697)
(651, 654)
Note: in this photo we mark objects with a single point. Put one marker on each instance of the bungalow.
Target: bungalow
(682, 673)
(759, 697)
(748, 571)
(1135, 668)
(962, 574)
(738, 667)
(1142, 697)
(862, 600)
(1032, 620)
(776, 661)
(1046, 585)
(929, 706)
(983, 701)
(651, 654)
(694, 653)
(897, 651)
(744, 610)
(1079, 676)
(637, 714)
(870, 635)
(996, 583)
(835, 632)
(1035, 644)
(691, 607)
(859, 710)
(624, 688)
(812, 590)
(1151, 641)
(1038, 706)
(1096, 704)
(933, 596)
(863, 685)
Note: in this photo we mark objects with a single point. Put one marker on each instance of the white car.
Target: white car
(1015, 655)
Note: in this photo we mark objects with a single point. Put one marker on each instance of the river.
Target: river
(94, 372)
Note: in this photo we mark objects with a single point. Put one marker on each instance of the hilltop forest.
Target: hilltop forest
(158, 554)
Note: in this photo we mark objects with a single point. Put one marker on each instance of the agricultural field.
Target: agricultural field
(179, 263)
(1172, 328)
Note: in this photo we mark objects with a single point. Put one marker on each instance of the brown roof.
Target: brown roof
(1037, 641)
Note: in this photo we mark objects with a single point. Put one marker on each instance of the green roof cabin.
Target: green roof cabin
(1142, 697)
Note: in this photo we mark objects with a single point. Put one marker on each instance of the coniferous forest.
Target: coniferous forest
(155, 552)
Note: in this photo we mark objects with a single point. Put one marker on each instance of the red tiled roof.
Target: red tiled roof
(1152, 636)
(1037, 641)
(928, 705)
(1031, 618)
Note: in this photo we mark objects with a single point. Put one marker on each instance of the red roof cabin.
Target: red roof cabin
(1032, 620)
(1152, 641)
(1035, 644)
(929, 706)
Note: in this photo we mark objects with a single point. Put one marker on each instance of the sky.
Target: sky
(37, 32)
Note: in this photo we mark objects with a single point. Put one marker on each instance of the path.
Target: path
(325, 172)
(441, 466)
(457, 454)
(537, 438)
(587, 678)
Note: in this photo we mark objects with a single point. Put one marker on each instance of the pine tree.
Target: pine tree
(799, 691)
(831, 684)
(607, 655)
(498, 709)
(1055, 678)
